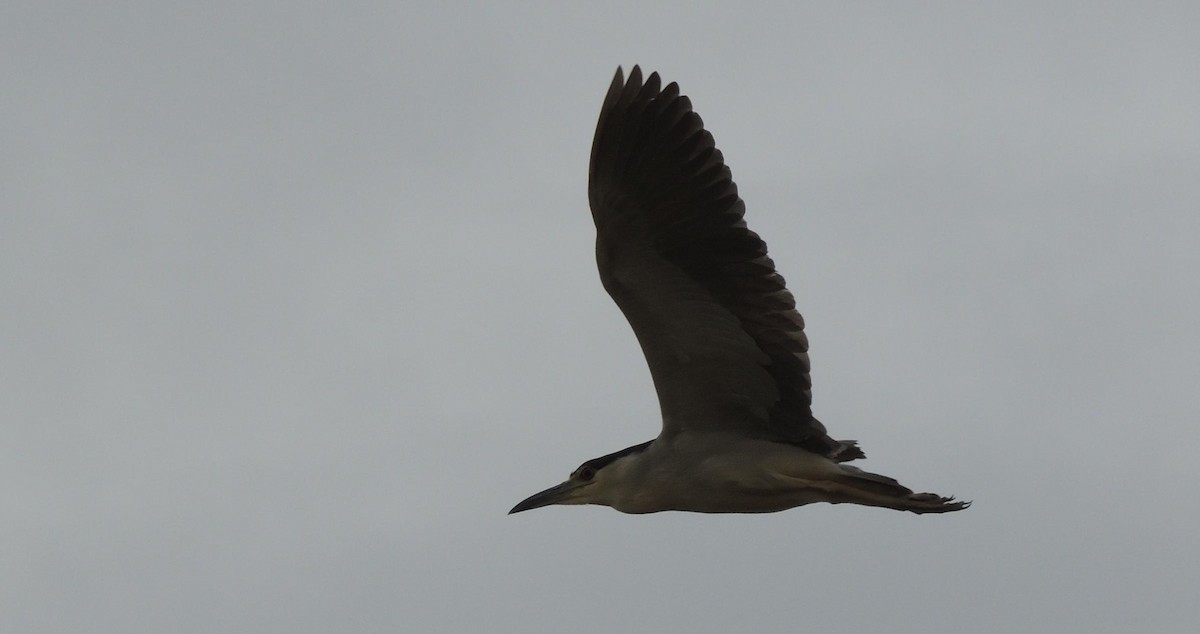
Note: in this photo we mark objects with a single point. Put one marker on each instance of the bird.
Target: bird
(719, 330)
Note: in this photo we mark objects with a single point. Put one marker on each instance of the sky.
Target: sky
(299, 299)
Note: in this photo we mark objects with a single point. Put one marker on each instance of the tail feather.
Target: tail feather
(873, 482)
(846, 451)
(873, 489)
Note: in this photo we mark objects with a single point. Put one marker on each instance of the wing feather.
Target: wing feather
(719, 329)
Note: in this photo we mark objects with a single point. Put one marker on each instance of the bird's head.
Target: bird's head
(594, 482)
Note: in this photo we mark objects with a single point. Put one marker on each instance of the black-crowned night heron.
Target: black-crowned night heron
(721, 334)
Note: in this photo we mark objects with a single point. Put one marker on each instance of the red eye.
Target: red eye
(586, 473)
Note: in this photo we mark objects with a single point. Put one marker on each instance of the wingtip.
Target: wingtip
(635, 75)
(636, 78)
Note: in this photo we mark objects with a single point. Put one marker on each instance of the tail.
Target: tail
(872, 489)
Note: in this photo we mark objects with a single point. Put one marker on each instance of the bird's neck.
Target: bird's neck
(636, 482)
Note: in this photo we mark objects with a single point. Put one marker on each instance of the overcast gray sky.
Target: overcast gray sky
(297, 300)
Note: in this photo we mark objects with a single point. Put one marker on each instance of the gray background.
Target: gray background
(299, 300)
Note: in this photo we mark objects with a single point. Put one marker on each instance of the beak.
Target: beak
(554, 495)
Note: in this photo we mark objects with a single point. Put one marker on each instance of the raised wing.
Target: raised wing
(719, 329)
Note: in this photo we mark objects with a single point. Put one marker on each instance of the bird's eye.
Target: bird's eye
(586, 473)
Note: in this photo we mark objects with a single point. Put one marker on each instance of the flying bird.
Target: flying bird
(719, 330)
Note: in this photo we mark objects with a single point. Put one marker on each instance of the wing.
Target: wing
(719, 329)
